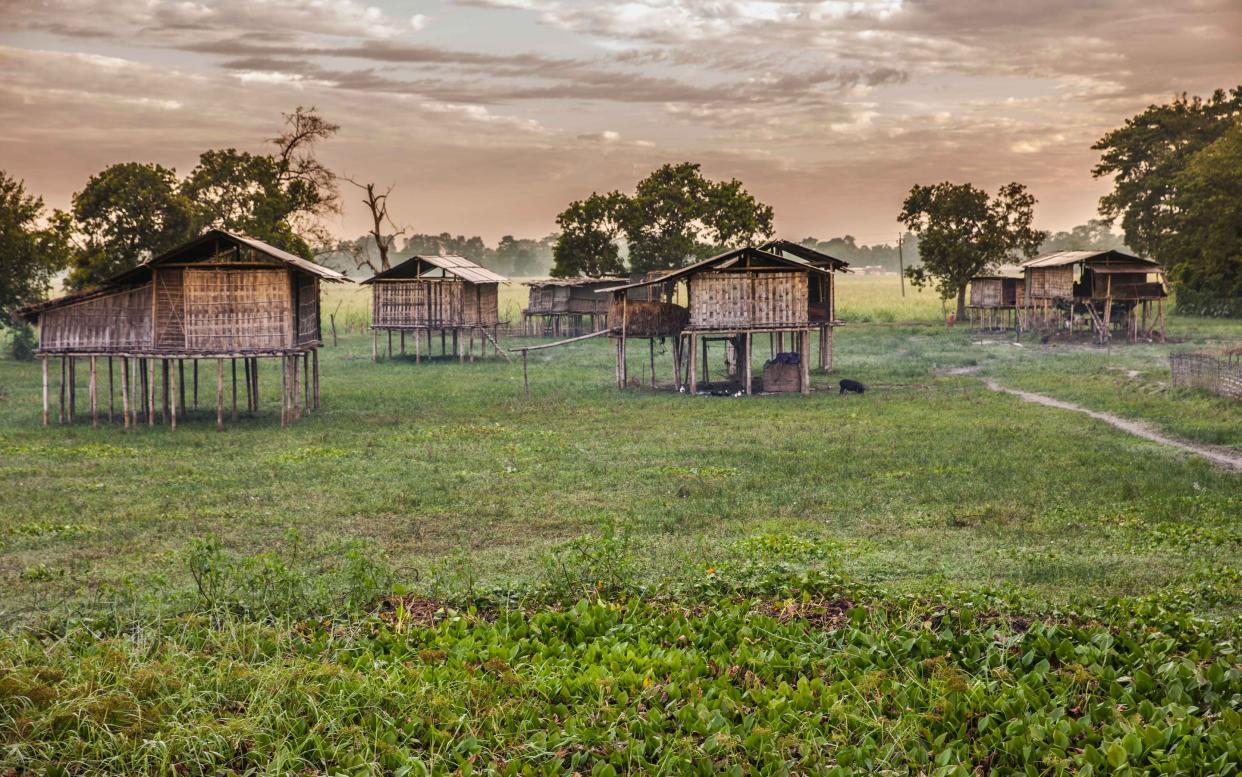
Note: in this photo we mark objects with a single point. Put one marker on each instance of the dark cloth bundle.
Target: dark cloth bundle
(790, 357)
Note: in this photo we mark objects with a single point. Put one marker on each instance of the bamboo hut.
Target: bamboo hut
(567, 307)
(1115, 291)
(730, 298)
(424, 295)
(995, 301)
(821, 293)
(219, 298)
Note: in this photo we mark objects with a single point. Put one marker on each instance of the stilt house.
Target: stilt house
(220, 297)
(994, 301)
(1113, 290)
(567, 306)
(427, 294)
(730, 298)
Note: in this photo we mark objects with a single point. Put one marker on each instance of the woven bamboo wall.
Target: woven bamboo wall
(434, 303)
(986, 293)
(308, 309)
(1050, 282)
(1207, 372)
(169, 309)
(237, 310)
(120, 321)
(648, 319)
(735, 300)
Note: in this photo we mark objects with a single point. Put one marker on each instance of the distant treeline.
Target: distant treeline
(512, 256)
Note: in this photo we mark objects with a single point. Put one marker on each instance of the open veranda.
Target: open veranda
(436, 574)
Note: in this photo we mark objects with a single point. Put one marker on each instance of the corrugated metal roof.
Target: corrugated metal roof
(721, 259)
(1062, 258)
(326, 273)
(459, 266)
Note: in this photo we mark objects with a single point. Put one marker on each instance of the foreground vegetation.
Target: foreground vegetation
(434, 574)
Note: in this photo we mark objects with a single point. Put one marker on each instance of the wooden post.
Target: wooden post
(111, 400)
(294, 408)
(374, 345)
(651, 349)
(219, 393)
(692, 370)
(45, 412)
(804, 347)
(525, 375)
(181, 384)
(93, 393)
(403, 342)
(73, 388)
(830, 335)
(195, 365)
(389, 343)
(254, 376)
(173, 402)
(418, 351)
(61, 418)
(746, 367)
(150, 392)
(166, 376)
(625, 325)
(284, 391)
(233, 363)
(315, 362)
(443, 344)
(125, 391)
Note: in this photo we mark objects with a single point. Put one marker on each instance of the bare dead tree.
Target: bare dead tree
(377, 205)
(306, 180)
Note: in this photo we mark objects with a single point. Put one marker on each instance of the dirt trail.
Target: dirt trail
(1219, 456)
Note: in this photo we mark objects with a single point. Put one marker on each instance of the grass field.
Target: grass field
(931, 577)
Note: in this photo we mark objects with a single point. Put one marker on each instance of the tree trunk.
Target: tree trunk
(961, 303)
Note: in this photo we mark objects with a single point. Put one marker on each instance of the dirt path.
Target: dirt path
(1218, 456)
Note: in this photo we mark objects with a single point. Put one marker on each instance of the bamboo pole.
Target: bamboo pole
(195, 365)
(233, 363)
(73, 388)
(284, 391)
(219, 393)
(403, 342)
(692, 370)
(294, 408)
(166, 375)
(173, 385)
(111, 399)
(150, 392)
(625, 325)
(45, 410)
(746, 366)
(804, 347)
(374, 346)
(94, 394)
(61, 418)
(181, 384)
(651, 350)
(306, 381)
(125, 391)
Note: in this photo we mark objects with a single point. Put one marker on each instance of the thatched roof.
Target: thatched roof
(575, 282)
(186, 252)
(450, 264)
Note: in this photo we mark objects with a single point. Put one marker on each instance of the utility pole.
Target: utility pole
(901, 266)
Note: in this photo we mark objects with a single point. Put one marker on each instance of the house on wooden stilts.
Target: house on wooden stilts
(424, 295)
(731, 299)
(821, 293)
(567, 307)
(219, 298)
(1111, 292)
(995, 302)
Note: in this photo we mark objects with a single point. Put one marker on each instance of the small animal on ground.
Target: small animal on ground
(852, 386)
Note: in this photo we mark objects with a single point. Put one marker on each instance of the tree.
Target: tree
(1095, 234)
(277, 197)
(588, 241)
(30, 254)
(1207, 206)
(677, 216)
(126, 213)
(1146, 155)
(377, 206)
(963, 233)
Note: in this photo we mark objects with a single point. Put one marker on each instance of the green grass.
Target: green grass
(927, 495)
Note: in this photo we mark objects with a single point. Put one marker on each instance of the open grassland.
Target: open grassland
(931, 577)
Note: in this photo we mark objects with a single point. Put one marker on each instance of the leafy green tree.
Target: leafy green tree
(472, 248)
(677, 216)
(1145, 157)
(962, 233)
(276, 197)
(521, 257)
(587, 244)
(126, 213)
(30, 254)
(1207, 206)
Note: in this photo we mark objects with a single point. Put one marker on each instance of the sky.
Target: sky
(489, 116)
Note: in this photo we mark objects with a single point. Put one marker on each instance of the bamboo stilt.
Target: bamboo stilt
(233, 415)
(125, 391)
(111, 400)
(45, 381)
(173, 385)
(219, 393)
(61, 417)
(315, 362)
(150, 392)
(93, 394)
